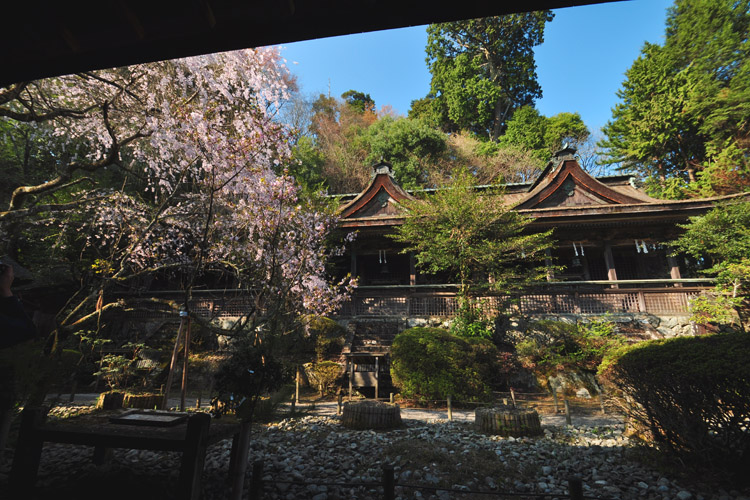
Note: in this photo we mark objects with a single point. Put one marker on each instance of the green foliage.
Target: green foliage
(409, 145)
(542, 136)
(430, 363)
(118, 370)
(483, 69)
(685, 105)
(329, 336)
(248, 373)
(691, 393)
(553, 346)
(723, 237)
(473, 236)
(307, 163)
(358, 100)
(326, 374)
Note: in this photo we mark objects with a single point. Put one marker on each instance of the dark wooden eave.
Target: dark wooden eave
(377, 205)
(43, 38)
(565, 174)
(660, 211)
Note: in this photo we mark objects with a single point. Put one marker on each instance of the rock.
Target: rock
(583, 393)
(684, 495)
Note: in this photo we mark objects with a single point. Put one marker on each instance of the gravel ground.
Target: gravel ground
(428, 451)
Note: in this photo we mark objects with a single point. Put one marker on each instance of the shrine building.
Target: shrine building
(610, 237)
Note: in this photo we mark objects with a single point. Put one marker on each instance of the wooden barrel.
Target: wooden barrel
(371, 415)
(144, 401)
(508, 421)
(110, 401)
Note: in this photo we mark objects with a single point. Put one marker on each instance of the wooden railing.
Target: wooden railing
(580, 297)
(566, 297)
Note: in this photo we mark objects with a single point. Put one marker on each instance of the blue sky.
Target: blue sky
(581, 64)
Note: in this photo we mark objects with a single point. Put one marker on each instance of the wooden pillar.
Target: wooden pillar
(377, 377)
(296, 387)
(28, 453)
(354, 264)
(183, 386)
(193, 456)
(610, 262)
(351, 376)
(674, 269)
(412, 269)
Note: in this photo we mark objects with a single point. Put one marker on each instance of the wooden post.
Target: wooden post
(641, 301)
(554, 397)
(450, 409)
(73, 389)
(256, 483)
(28, 453)
(237, 472)
(338, 405)
(567, 412)
(674, 269)
(193, 456)
(296, 387)
(513, 396)
(377, 377)
(173, 363)
(575, 488)
(391, 398)
(101, 455)
(351, 376)
(183, 387)
(601, 403)
(389, 483)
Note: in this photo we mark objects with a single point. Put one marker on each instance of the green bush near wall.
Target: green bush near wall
(431, 363)
(692, 394)
(554, 346)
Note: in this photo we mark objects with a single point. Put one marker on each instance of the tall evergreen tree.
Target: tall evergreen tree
(483, 69)
(683, 122)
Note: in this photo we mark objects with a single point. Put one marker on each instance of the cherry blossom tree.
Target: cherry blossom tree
(198, 190)
(199, 136)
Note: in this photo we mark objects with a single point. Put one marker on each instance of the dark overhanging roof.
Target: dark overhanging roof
(43, 38)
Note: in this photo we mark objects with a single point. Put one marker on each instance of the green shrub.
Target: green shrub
(553, 346)
(431, 363)
(692, 394)
(328, 335)
(326, 374)
(247, 374)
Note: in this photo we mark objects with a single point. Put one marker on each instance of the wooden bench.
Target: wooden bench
(192, 437)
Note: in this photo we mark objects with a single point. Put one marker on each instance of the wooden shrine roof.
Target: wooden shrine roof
(563, 193)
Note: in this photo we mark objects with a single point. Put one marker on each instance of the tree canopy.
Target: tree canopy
(169, 171)
(482, 70)
(722, 237)
(683, 122)
(472, 235)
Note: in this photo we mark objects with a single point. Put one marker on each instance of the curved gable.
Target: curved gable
(379, 199)
(569, 185)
